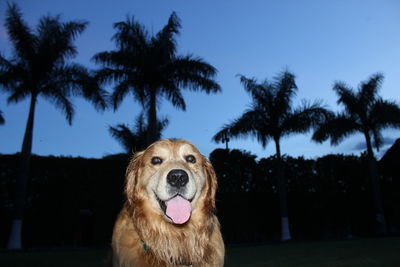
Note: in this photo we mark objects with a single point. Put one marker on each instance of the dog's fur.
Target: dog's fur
(143, 234)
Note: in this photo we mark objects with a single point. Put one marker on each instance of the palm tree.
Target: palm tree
(366, 113)
(135, 139)
(271, 117)
(149, 68)
(40, 67)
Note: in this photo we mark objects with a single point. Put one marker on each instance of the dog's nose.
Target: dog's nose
(177, 178)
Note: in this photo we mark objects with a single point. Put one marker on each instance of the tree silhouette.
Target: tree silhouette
(271, 117)
(135, 139)
(366, 113)
(149, 68)
(40, 67)
(235, 170)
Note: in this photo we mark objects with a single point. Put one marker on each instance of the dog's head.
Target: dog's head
(171, 179)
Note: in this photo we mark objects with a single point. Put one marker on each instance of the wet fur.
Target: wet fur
(196, 243)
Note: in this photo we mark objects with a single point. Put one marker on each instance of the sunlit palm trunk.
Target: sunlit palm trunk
(152, 118)
(380, 222)
(283, 196)
(14, 241)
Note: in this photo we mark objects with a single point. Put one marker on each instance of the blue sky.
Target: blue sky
(319, 41)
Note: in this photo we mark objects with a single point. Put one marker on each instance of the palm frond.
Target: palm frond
(162, 124)
(109, 75)
(55, 43)
(24, 41)
(18, 93)
(62, 102)
(124, 136)
(118, 60)
(346, 97)
(191, 64)
(165, 39)
(5, 64)
(263, 95)
(368, 90)
(72, 29)
(336, 129)
(305, 117)
(11, 74)
(249, 124)
(195, 82)
(286, 88)
(120, 91)
(378, 139)
(175, 96)
(131, 35)
(135, 139)
(251, 85)
(83, 83)
(106, 58)
(192, 73)
(384, 114)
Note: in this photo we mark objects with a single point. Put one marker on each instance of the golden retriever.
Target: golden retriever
(168, 218)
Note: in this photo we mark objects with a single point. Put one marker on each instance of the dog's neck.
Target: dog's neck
(181, 245)
(147, 249)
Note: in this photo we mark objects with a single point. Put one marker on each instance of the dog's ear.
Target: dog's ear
(211, 184)
(131, 177)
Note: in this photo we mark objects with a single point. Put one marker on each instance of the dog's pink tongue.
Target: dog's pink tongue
(178, 209)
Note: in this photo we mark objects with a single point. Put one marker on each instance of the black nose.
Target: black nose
(177, 178)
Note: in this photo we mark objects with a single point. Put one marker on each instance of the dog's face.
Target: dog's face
(173, 179)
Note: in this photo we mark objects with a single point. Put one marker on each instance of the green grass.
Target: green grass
(363, 252)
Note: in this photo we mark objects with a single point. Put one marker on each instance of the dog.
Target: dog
(168, 218)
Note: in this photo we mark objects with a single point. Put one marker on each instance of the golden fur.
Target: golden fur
(143, 236)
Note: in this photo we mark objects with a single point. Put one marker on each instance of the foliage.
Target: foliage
(329, 198)
(71, 201)
(40, 63)
(40, 66)
(364, 112)
(235, 170)
(367, 113)
(135, 139)
(271, 115)
(149, 68)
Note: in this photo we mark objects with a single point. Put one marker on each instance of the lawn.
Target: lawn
(361, 252)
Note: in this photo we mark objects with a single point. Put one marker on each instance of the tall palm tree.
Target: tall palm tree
(149, 68)
(40, 67)
(135, 139)
(271, 117)
(366, 113)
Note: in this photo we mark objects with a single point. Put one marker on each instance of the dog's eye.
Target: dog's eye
(156, 160)
(190, 159)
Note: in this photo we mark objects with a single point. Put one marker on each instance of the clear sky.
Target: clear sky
(320, 41)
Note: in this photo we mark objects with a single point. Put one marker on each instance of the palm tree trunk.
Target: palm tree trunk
(152, 118)
(15, 240)
(380, 222)
(283, 198)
